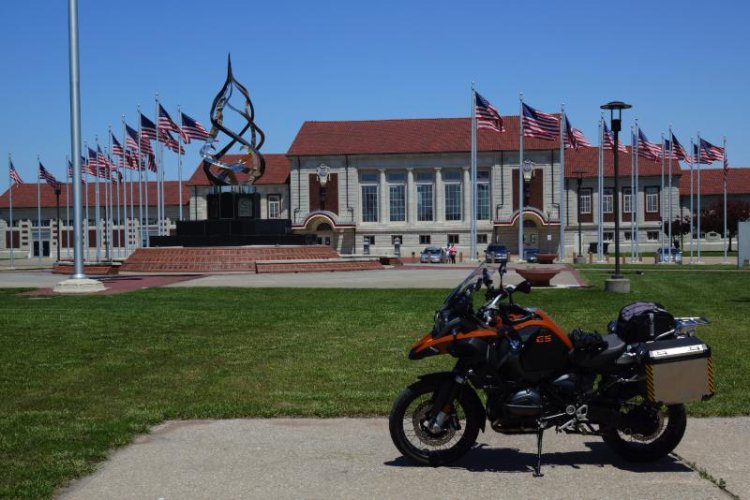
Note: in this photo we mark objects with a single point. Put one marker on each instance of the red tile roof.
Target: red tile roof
(24, 195)
(712, 181)
(436, 135)
(277, 171)
(587, 161)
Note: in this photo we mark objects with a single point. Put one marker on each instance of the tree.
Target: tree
(680, 227)
(712, 218)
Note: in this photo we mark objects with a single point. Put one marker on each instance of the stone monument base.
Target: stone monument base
(79, 285)
(617, 285)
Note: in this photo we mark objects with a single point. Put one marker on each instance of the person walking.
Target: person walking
(452, 253)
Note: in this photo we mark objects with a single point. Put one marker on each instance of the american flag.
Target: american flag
(166, 124)
(574, 138)
(487, 115)
(678, 152)
(192, 129)
(151, 162)
(647, 149)
(14, 177)
(70, 170)
(92, 163)
(171, 142)
(539, 125)
(116, 146)
(145, 145)
(131, 138)
(105, 165)
(47, 176)
(609, 141)
(148, 129)
(714, 153)
(701, 156)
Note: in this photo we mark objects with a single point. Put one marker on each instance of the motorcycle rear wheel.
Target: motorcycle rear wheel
(408, 423)
(664, 426)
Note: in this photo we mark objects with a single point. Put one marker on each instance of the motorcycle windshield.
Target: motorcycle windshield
(469, 282)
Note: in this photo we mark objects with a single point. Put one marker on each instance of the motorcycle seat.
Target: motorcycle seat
(615, 346)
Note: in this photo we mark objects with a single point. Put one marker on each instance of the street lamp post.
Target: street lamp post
(579, 177)
(617, 283)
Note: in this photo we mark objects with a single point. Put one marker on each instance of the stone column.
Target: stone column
(439, 196)
(411, 197)
(383, 197)
(466, 193)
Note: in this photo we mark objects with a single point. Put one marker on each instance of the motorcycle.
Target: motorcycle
(628, 387)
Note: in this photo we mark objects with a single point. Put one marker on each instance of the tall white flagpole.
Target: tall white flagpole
(179, 165)
(97, 215)
(561, 205)
(726, 173)
(634, 206)
(116, 188)
(692, 211)
(12, 233)
(669, 195)
(600, 195)
(662, 212)
(39, 210)
(634, 144)
(473, 211)
(699, 198)
(67, 207)
(520, 182)
(159, 154)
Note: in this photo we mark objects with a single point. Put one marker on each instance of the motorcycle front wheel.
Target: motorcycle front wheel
(410, 421)
(647, 431)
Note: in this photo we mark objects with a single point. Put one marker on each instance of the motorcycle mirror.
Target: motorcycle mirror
(524, 287)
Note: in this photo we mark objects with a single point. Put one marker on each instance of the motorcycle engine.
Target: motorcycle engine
(524, 403)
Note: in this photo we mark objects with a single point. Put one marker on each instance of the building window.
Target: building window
(453, 238)
(652, 235)
(626, 235)
(397, 197)
(398, 237)
(483, 195)
(369, 239)
(627, 200)
(274, 206)
(424, 196)
(452, 181)
(652, 200)
(607, 201)
(608, 236)
(481, 238)
(585, 201)
(369, 183)
(424, 239)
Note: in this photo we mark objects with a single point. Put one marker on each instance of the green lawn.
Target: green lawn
(80, 375)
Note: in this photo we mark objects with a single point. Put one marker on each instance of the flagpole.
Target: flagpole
(86, 183)
(39, 212)
(107, 208)
(145, 237)
(634, 144)
(118, 249)
(128, 229)
(473, 210)
(634, 204)
(561, 205)
(669, 195)
(661, 202)
(67, 207)
(600, 195)
(692, 211)
(159, 153)
(699, 198)
(179, 164)
(726, 173)
(97, 213)
(12, 233)
(57, 200)
(520, 182)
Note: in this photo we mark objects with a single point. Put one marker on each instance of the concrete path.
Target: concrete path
(354, 458)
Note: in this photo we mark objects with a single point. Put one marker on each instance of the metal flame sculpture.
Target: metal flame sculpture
(253, 164)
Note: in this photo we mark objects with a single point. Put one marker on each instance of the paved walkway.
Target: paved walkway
(354, 458)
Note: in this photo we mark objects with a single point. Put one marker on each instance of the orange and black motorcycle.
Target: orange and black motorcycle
(629, 387)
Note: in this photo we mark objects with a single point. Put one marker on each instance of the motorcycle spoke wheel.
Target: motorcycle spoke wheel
(411, 426)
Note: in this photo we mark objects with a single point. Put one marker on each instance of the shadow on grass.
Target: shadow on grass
(510, 460)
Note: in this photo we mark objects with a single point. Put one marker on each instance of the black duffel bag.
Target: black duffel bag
(643, 321)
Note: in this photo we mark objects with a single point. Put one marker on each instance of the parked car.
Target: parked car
(496, 253)
(433, 255)
(530, 254)
(669, 255)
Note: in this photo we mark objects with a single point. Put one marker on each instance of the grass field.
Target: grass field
(80, 375)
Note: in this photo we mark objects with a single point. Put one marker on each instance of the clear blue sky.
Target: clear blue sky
(676, 62)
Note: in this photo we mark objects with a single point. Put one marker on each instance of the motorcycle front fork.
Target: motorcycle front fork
(442, 406)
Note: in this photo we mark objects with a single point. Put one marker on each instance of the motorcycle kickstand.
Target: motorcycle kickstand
(538, 468)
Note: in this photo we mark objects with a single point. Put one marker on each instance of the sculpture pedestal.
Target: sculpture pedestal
(537, 276)
(79, 285)
(617, 285)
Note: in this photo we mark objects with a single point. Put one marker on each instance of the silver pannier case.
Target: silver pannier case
(679, 370)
